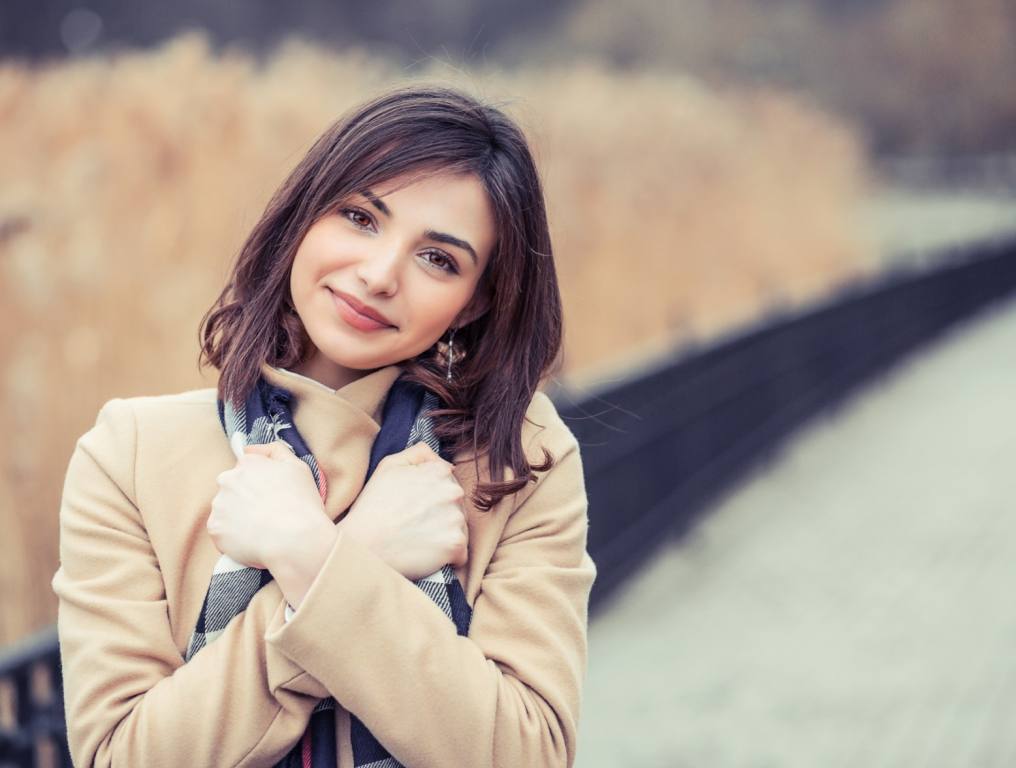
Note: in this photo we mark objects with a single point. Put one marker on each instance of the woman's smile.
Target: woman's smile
(353, 315)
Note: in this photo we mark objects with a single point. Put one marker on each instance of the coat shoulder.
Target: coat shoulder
(161, 417)
(543, 427)
(182, 421)
(171, 411)
(145, 426)
(175, 401)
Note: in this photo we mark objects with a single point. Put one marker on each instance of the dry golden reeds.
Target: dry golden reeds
(129, 183)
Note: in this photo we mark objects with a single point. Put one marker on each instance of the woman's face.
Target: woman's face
(414, 255)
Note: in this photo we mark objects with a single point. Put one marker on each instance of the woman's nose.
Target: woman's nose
(379, 271)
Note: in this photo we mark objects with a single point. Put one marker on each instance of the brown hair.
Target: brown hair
(507, 350)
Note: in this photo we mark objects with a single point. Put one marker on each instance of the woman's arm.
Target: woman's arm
(509, 693)
(129, 698)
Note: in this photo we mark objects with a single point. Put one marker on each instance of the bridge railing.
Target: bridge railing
(32, 731)
(662, 443)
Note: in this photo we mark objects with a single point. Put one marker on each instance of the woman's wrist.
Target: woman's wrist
(296, 563)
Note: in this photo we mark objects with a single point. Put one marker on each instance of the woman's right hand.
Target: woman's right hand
(410, 513)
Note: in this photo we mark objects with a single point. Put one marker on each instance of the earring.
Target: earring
(451, 354)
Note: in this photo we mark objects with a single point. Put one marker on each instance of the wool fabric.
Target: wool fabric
(265, 417)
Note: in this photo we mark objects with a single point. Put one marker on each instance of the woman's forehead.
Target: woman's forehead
(428, 177)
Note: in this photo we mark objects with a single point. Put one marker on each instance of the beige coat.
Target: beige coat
(135, 562)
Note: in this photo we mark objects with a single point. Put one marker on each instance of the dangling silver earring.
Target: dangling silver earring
(451, 354)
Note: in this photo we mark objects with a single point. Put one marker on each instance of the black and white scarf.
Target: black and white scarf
(264, 418)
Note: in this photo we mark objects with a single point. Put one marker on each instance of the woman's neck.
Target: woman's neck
(328, 374)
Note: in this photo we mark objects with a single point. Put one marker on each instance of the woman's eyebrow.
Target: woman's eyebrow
(444, 237)
(430, 234)
(376, 202)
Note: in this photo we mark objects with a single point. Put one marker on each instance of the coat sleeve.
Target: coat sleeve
(507, 694)
(129, 698)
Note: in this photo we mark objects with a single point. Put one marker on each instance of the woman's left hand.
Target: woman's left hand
(266, 505)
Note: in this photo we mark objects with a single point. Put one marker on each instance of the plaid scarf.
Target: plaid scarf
(264, 418)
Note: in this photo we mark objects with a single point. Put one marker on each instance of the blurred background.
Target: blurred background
(709, 165)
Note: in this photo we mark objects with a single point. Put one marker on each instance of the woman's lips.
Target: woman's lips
(354, 318)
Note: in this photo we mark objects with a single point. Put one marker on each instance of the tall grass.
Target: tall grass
(920, 75)
(129, 183)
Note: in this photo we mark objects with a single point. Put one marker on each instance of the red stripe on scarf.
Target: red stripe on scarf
(305, 758)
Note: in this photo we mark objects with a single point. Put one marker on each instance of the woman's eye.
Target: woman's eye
(441, 261)
(358, 217)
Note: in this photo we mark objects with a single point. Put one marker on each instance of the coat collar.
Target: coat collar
(366, 393)
(339, 426)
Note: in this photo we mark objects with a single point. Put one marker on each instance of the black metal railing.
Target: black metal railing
(32, 729)
(659, 445)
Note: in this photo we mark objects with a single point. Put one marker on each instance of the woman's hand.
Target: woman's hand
(410, 513)
(267, 505)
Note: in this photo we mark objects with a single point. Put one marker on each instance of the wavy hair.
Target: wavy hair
(507, 350)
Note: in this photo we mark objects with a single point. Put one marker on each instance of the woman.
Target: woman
(367, 545)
